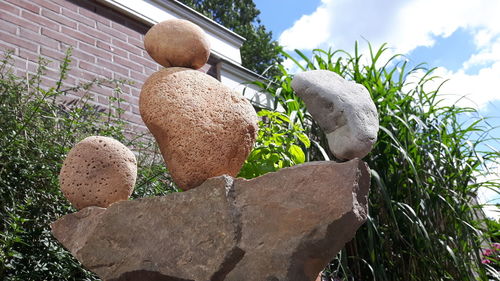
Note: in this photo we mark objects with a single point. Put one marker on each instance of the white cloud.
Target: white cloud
(488, 196)
(310, 32)
(406, 25)
(291, 67)
(470, 90)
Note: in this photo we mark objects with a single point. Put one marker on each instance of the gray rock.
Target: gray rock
(342, 108)
(281, 226)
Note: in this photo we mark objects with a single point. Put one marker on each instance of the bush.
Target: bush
(39, 126)
(424, 222)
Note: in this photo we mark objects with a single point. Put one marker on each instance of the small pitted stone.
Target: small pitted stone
(203, 128)
(177, 42)
(342, 108)
(98, 171)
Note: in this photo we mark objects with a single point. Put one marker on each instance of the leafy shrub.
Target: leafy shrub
(39, 126)
(277, 145)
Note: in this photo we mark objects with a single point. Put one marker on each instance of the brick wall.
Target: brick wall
(105, 43)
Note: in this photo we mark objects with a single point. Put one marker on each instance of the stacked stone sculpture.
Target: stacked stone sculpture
(203, 128)
(282, 226)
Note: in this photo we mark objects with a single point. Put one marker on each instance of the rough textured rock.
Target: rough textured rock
(98, 171)
(342, 108)
(203, 128)
(177, 42)
(283, 226)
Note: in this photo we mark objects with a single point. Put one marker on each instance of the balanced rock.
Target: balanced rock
(98, 171)
(283, 226)
(177, 42)
(203, 128)
(342, 108)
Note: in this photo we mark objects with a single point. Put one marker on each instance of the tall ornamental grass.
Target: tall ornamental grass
(424, 221)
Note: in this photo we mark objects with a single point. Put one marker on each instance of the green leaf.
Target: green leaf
(296, 153)
(304, 139)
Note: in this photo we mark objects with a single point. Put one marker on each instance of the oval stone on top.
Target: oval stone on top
(177, 42)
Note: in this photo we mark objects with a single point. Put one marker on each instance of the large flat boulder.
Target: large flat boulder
(281, 226)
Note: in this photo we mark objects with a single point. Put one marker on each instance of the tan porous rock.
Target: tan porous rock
(177, 42)
(98, 171)
(204, 129)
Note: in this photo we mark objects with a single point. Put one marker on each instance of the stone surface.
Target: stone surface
(342, 108)
(98, 171)
(283, 226)
(203, 128)
(177, 42)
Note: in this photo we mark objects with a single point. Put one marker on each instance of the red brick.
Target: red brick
(8, 27)
(86, 75)
(149, 71)
(136, 91)
(16, 40)
(109, 48)
(59, 36)
(113, 67)
(79, 18)
(18, 21)
(108, 91)
(127, 30)
(25, 5)
(139, 78)
(35, 37)
(66, 4)
(78, 35)
(128, 63)
(37, 19)
(102, 99)
(135, 42)
(23, 65)
(95, 51)
(146, 62)
(52, 72)
(111, 31)
(126, 46)
(91, 14)
(131, 117)
(51, 53)
(48, 82)
(94, 32)
(59, 18)
(135, 109)
(6, 7)
(95, 69)
(4, 46)
(130, 99)
(118, 76)
(78, 54)
(32, 56)
(49, 5)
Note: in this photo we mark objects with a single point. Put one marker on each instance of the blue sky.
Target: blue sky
(460, 37)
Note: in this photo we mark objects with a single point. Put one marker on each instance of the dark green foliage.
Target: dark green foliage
(259, 52)
(38, 127)
(424, 222)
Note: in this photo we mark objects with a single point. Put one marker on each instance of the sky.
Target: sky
(459, 37)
